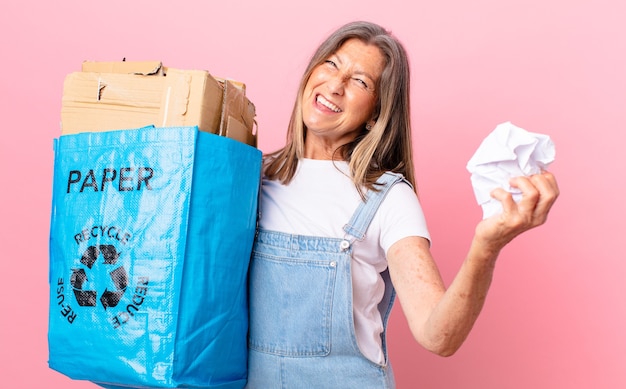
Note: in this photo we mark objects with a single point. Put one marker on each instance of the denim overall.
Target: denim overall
(301, 318)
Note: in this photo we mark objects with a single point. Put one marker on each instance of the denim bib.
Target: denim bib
(301, 316)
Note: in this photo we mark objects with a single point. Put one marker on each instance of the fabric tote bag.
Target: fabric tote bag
(150, 241)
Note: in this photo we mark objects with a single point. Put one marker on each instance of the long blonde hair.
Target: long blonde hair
(384, 147)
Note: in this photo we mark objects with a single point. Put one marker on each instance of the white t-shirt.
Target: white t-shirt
(319, 201)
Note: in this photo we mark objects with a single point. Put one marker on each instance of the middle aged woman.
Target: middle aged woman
(341, 229)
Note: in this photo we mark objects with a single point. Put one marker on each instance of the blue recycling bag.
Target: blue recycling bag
(150, 241)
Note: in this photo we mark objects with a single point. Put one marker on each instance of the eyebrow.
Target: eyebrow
(357, 71)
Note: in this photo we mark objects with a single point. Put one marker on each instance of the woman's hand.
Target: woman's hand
(539, 192)
(440, 319)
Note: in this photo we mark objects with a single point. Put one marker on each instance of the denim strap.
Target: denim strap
(362, 217)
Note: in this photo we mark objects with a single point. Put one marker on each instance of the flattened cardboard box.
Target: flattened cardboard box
(237, 117)
(120, 95)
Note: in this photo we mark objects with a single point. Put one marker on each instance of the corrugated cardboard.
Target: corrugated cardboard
(108, 96)
(237, 118)
(125, 67)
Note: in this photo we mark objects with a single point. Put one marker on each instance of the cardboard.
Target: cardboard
(107, 96)
(125, 67)
(237, 117)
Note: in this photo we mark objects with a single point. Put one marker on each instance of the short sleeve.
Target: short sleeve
(400, 215)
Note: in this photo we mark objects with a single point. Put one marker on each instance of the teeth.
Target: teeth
(328, 104)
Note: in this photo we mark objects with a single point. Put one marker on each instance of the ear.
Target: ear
(370, 124)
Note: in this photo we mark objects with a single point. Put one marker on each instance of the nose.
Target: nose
(337, 83)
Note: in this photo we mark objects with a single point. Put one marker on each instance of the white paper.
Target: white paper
(507, 152)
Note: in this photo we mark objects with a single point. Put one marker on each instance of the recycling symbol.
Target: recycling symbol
(119, 277)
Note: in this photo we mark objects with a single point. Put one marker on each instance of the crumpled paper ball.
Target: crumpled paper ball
(508, 151)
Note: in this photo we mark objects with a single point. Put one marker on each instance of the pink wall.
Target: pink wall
(556, 314)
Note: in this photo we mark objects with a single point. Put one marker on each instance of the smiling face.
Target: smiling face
(340, 97)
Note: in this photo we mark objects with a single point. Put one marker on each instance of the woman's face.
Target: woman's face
(340, 96)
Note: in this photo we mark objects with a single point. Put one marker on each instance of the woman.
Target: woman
(342, 231)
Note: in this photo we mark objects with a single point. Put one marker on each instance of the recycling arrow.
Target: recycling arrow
(120, 280)
(87, 298)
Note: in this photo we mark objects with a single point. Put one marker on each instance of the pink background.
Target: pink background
(556, 314)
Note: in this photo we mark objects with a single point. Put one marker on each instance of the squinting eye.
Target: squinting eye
(363, 83)
(331, 63)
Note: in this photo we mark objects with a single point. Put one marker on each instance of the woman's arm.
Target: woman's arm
(440, 319)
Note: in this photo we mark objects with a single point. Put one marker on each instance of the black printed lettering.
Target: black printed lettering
(106, 178)
(141, 178)
(122, 179)
(73, 178)
(90, 181)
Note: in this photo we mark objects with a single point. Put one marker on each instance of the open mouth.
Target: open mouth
(321, 100)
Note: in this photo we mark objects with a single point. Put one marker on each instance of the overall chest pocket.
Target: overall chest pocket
(291, 304)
